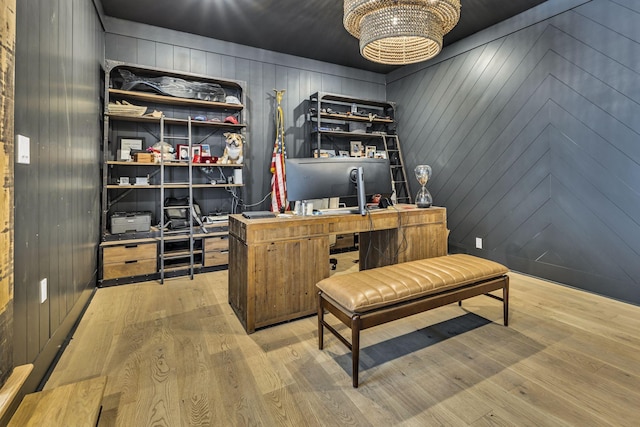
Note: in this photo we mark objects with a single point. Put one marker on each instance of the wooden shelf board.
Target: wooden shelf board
(180, 254)
(351, 118)
(173, 164)
(328, 97)
(182, 267)
(173, 121)
(165, 99)
(137, 187)
(354, 134)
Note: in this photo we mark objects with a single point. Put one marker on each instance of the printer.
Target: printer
(128, 222)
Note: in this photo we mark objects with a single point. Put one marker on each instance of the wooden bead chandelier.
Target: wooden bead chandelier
(400, 32)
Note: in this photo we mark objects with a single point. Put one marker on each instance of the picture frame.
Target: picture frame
(380, 155)
(356, 149)
(128, 145)
(196, 150)
(370, 151)
(205, 150)
(343, 153)
(182, 152)
(327, 153)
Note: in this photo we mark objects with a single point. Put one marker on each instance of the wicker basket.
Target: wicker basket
(124, 108)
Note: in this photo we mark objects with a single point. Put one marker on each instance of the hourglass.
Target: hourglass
(423, 198)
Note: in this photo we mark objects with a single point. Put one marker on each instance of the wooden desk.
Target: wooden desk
(275, 263)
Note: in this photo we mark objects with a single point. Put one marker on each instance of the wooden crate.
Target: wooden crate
(143, 158)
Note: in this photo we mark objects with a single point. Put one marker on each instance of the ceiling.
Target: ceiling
(307, 28)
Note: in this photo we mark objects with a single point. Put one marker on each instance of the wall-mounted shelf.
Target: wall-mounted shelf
(172, 121)
(176, 185)
(172, 164)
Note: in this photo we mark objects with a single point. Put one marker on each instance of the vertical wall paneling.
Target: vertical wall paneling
(59, 53)
(51, 32)
(41, 162)
(533, 138)
(20, 292)
(26, 247)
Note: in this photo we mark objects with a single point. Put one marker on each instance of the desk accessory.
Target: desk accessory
(423, 198)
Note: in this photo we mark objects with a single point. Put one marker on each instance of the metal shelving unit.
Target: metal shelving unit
(158, 252)
(331, 118)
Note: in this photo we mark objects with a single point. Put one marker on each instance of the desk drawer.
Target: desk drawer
(216, 258)
(131, 252)
(129, 268)
(216, 244)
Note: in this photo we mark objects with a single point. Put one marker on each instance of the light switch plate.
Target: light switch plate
(23, 151)
(43, 290)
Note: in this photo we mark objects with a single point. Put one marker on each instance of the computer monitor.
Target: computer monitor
(310, 178)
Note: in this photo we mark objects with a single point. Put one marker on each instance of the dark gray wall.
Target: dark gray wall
(59, 50)
(262, 70)
(534, 141)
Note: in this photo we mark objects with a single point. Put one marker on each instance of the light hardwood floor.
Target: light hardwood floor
(175, 355)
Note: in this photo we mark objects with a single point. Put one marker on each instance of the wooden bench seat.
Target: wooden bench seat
(372, 297)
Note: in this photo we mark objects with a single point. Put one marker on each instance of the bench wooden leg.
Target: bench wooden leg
(504, 299)
(320, 321)
(355, 348)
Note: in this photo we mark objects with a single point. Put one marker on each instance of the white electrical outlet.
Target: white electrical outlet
(43, 290)
(478, 242)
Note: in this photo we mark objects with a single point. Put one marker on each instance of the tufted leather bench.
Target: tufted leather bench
(372, 297)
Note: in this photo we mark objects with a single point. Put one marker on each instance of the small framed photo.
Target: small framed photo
(182, 153)
(371, 151)
(205, 153)
(381, 155)
(196, 150)
(356, 149)
(343, 153)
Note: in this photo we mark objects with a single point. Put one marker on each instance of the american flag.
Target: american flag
(279, 178)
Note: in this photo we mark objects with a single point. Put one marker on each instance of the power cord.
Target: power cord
(403, 241)
(257, 203)
(369, 244)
